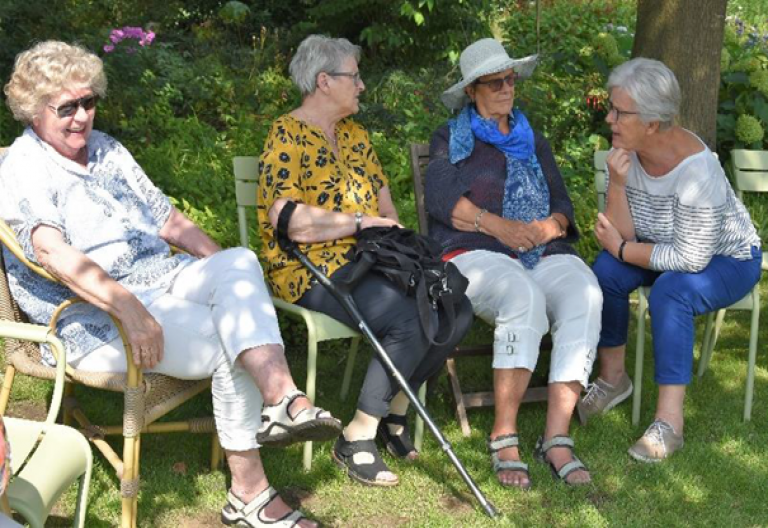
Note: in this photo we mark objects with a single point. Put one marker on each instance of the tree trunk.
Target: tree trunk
(687, 36)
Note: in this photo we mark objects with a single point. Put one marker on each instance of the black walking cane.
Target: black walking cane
(345, 299)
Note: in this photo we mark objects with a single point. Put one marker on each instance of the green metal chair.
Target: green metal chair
(601, 185)
(749, 173)
(320, 327)
(46, 457)
(753, 176)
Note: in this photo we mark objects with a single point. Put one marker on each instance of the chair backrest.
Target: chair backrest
(749, 170)
(419, 162)
(601, 185)
(246, 170)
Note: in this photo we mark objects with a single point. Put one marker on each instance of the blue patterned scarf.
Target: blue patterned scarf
(526, 193)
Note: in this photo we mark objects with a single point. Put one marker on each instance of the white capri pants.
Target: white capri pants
(216, 308)
(520, 304)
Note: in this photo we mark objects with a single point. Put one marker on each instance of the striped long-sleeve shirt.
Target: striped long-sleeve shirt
(690, 214)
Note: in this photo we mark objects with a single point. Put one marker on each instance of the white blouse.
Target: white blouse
(108, 210)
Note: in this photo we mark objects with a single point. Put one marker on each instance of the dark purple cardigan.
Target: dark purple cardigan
(481, 179)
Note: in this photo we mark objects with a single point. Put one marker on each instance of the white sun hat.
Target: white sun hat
(484, 57)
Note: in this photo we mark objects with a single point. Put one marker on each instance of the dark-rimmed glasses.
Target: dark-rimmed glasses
(69, 108)
(618, 113)
(355, 76)
(496, 84)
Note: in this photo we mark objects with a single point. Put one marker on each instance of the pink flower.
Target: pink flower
(129, 32)
(116, 36)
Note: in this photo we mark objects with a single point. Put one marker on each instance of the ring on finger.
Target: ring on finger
(521, 248)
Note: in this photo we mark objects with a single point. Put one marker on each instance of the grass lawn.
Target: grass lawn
(720, 478)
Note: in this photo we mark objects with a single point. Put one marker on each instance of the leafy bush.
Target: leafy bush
(215, 77)
(743, 101)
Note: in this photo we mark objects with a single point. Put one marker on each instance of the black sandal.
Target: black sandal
(400, 445)
(343, 455)
(540, 453)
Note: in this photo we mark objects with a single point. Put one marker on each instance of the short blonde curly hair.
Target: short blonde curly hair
(47, 69)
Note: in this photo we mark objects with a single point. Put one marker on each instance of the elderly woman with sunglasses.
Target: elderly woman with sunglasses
(671, 221)
(498, 204)
(318, 158)
(82, 208)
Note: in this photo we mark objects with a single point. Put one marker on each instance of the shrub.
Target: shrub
(743, 100)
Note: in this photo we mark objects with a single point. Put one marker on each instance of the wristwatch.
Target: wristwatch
(358, 221)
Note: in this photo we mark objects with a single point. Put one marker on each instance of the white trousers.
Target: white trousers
(217, 307)
(521, 303)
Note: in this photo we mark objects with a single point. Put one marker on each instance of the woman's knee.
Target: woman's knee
(612, 275)
(518, 304)
(672, 288)
(238, 258)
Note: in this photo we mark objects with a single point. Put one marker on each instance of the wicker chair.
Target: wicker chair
(148, 397)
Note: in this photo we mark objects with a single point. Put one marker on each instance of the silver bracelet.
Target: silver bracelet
(358, 221)
(478, 216)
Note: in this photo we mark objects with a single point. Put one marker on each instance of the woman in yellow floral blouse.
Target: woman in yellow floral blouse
(324, 162)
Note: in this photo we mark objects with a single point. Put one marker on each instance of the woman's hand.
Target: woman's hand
(608, 236)
(545, 230)
(516, 235)
(144, 333)
(618, 166)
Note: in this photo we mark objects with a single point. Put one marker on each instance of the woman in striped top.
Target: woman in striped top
(672, 221)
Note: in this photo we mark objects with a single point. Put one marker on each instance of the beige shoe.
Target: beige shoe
(657, 443)
(601, 397)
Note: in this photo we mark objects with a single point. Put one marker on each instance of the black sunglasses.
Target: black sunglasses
(496, 84)
(69, 108)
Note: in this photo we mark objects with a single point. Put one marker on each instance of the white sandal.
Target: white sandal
(280, 429)
(236, 512)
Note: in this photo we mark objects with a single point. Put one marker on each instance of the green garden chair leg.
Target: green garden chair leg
(350, 367)
(754, 328)
(311, 381)
(709, 341)
(642, 307)
(418, 437)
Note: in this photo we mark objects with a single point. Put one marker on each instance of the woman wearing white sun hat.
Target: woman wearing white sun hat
(498, 204)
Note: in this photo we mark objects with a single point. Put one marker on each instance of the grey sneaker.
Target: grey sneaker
(657, 443)
(601, 397)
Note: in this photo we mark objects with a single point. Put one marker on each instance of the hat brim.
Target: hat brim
(455, 97)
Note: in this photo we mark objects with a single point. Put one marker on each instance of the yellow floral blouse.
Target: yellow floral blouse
(298, 163)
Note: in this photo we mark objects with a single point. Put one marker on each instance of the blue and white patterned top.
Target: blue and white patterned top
(110, 211)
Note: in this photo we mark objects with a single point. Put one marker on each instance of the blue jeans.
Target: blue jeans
(676, 298)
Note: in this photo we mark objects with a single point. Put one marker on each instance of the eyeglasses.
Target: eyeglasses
(618, 113)
(355, 76)
(70, 108)
(496, 84)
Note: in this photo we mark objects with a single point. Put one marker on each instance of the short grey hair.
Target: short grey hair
(316, 54)
(47, 69)
(653, 87)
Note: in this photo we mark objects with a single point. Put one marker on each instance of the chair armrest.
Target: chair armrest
(41, 334)
(132, 370)
(8, 238)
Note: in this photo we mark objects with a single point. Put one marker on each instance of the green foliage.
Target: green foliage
(392, 30)
(743, 101)
(215, 78)
(749, 130)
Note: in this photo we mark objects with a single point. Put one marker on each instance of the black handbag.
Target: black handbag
(413, 263)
